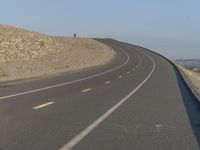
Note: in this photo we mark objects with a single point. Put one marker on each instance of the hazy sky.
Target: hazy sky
(170, 27)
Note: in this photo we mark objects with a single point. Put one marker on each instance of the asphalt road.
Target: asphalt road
(137, 101)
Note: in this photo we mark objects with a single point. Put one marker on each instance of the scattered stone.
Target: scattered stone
(26, 54)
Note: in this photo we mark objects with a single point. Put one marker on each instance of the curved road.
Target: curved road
(137, 101)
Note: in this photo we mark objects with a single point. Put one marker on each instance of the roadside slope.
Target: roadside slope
(26, 54)
(192, 79)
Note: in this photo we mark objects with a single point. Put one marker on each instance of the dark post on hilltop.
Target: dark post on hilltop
(74, 35)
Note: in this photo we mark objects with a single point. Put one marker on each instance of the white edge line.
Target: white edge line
(91, 127)
(70, 82)
(43, 105)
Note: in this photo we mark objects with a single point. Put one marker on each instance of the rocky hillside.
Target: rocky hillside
(189, 63)
(194, 78)
(26, 54)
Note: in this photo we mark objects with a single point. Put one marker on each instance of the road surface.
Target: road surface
(137, 101)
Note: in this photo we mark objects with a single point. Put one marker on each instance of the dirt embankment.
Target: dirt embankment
(194, 78)
(26, 54)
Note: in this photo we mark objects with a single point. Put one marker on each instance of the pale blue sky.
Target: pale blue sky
(170, 27)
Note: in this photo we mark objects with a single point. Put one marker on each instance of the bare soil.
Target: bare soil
(26, 54)
(193, 76)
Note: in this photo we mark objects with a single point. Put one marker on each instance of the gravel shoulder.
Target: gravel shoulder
(25, 54)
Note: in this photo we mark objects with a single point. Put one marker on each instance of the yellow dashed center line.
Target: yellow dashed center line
(107, 82)
(43, 105)
(86, 90)
(119, 76)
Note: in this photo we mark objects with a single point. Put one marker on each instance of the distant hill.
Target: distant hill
(189, 63)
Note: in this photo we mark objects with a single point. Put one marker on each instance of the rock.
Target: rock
(30, 54)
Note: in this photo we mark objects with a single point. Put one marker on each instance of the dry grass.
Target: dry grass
(25, 54)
